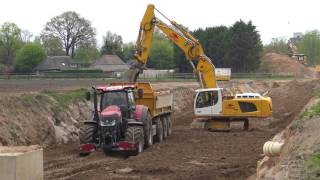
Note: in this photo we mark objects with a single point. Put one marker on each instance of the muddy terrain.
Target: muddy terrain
(186, 154)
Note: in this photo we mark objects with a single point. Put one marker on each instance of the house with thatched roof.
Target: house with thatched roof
(110, 63)
(55, 63)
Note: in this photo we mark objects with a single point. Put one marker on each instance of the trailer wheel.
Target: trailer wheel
(159, 135)
(165, 126)
(169, 125)
(148, 134)
(135, 135)
(246, 124)
(87, 134)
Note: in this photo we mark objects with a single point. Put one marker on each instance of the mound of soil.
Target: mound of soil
(284, 65)
(288, 101)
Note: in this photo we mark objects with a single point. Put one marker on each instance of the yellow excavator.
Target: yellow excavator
(209, 103)
(293, 53)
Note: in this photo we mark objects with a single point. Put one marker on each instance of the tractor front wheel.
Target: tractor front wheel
(135, 135)
(87, 135)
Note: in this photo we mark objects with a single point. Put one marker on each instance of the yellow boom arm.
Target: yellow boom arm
(178, 35)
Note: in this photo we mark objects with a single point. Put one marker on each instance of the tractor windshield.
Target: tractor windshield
(118, 98)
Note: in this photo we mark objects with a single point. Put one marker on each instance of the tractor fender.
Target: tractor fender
(135, 123)
(141, 113)
(89, 122)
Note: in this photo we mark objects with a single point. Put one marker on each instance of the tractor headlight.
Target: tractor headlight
(107, 122)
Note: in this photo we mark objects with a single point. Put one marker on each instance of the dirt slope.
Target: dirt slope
(299, 158)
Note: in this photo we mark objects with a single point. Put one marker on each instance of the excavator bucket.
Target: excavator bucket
(132, 74)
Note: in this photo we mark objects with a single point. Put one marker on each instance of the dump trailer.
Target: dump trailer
(223, 74)
(318, 68)
(128, 117)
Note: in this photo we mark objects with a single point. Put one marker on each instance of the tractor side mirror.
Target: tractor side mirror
(88, 96)
(140, 93)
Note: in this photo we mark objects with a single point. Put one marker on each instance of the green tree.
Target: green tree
(212, 40)
(2, 68)
(243, 47)
(29, 56)
(112, 44)
(127, 51)
(71, 30)
(310, 46)
(86, 54)
(278, 45)
(10, 42)
(161, 52)
(53, 45)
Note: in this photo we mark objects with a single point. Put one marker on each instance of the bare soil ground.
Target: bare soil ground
(187, 153)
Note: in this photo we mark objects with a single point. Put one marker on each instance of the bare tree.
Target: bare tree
(71, 29)
(26, 36)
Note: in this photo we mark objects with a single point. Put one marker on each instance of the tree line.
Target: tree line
(238, 47)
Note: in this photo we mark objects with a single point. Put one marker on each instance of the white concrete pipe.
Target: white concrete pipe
(272, 148)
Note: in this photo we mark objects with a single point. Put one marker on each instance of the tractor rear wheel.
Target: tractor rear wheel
(87, 135)
(135, 135)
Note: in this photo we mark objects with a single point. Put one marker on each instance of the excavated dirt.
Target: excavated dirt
(284, 65)
(188, 153)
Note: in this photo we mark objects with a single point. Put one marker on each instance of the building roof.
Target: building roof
(110, 63)
(55, 63)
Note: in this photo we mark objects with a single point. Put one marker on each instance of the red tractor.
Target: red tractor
(119, 123)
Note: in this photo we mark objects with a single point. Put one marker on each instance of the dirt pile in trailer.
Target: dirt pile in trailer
(282, 64)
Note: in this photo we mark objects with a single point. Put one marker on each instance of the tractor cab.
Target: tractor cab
(117, 96)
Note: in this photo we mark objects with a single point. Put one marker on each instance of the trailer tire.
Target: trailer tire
(159, 135)
(148, 134)
(246, 124)
(87, 134)
(165, 126)
(135, 135)
(169, 125)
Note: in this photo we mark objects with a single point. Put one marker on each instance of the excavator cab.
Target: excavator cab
(208, 102)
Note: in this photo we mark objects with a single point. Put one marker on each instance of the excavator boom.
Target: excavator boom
(178, 35)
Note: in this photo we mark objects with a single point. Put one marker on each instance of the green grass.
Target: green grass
(317, 93)
(315, 160)
(309, 113)
(313, 167)
(67, 97)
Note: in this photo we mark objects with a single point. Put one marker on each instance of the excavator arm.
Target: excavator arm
(179, 36)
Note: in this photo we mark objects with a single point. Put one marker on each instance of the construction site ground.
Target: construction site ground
(187, 153)
(28, 117)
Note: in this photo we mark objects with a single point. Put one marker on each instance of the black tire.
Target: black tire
(165, 126)
(246, 124)
(87, 134)
(135, 135)
(148, 134)
(169, 125)
(159, 135)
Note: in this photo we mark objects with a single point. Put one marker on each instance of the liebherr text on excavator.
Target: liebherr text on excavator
(209, 102)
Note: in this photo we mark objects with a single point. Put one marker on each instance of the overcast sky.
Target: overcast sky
(273, 18)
